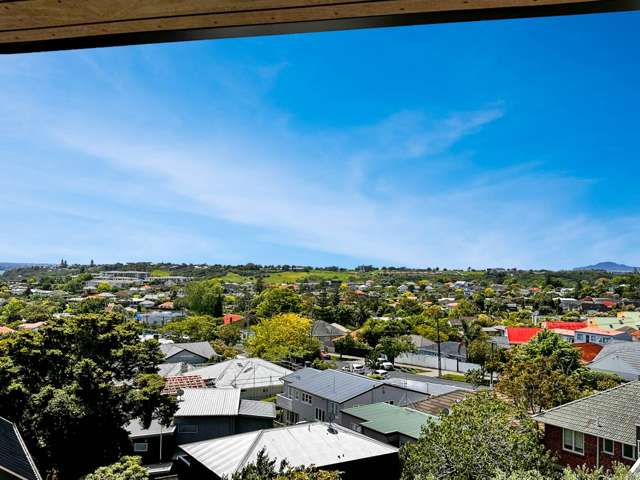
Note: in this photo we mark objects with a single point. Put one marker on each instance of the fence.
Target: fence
(431, 361)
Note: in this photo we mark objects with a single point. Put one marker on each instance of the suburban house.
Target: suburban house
(597, 430)
(520, 335)
(621, 358)
(326, 446)
(327, 333)
(386, 423)
(15, 460)
(155, 444)
(550, 325)
(192, 353)
(256, 378)
(566, 334)
(600, 335)
(205, 413)
(311, 394)
(624, 319)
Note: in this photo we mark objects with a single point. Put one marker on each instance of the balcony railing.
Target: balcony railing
(284, 402)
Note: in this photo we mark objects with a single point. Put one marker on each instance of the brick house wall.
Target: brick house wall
(553, 442)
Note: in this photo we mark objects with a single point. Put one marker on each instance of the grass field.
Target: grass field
(314, 275)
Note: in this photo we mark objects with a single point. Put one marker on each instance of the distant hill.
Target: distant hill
(11, 266)
(610, 267)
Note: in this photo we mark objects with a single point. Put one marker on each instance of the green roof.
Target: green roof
(628, 320)
(385, 418)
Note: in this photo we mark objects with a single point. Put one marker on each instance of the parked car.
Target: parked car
(388, 366)
(357, 368)
(382, 373)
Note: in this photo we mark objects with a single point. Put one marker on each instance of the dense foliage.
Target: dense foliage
(72, 386)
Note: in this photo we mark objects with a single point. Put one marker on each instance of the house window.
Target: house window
(607, 446)
(186, 428)
(573, 441)
(140, 447)
(320, 414)
(629, 452)
(306, 398)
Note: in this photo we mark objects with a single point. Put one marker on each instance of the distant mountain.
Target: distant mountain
(610, 267)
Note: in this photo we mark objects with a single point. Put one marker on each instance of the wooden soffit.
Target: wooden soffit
(38, 25)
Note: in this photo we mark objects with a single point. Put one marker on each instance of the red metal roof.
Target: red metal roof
(522, 334)
(566, 325)
(588, 351)
(231, 318)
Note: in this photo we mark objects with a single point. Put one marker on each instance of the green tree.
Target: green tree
(72, 386)
(482, 437)
(194, 327)
(392, 347)
(285, 336)
(11, 311)
(128, 468)
(536, 384)
(275, 301)
(204, 298)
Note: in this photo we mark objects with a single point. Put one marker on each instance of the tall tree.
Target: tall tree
(205, 298)
(274, 301)
(73, 385)
(285, 336)
(482, 437)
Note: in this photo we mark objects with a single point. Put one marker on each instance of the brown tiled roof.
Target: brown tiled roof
(442, 403)
(176, 383)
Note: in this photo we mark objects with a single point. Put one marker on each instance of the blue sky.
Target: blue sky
(489, 144)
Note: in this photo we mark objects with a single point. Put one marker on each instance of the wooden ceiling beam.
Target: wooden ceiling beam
(39, 25)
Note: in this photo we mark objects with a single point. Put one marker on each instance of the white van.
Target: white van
(357, 368)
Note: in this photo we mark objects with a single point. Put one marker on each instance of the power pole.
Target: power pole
(438, 340)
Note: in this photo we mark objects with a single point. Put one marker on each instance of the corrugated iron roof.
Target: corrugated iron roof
(134, 427)
(208, 402)
(301, 445)
(331, 384)
(243, 373)
(386, 419)
(255, 408)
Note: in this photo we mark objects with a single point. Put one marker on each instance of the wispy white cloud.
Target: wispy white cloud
(322, 191)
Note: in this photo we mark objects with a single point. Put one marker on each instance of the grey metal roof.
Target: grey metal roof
(243, 373)
(333, 385)
(611, 414)
(172, 369)
(301, 445)
(625, 352)
(254, 408)
(325, 329)
(134, 427)
(430, 388)
(208, 402)
(203, 349)
(14, 456)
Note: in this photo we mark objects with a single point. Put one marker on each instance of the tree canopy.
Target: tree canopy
(127, 468)
(274, 301)
(73, 385)
(481, 438)
(283, 336)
